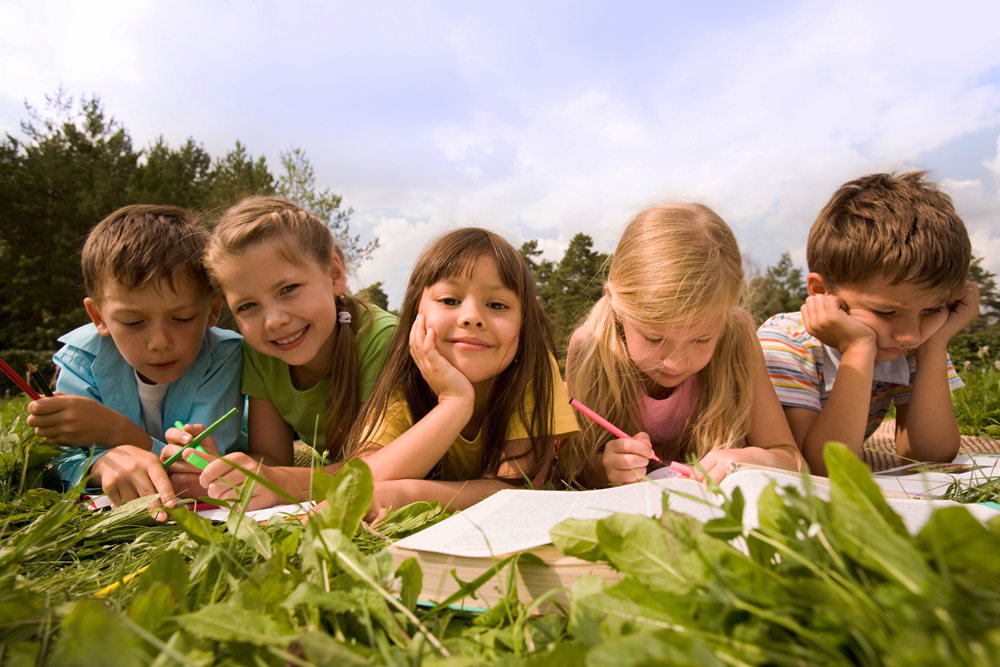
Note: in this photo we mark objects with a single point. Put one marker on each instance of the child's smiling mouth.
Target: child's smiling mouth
(290, 339)
(473, 344)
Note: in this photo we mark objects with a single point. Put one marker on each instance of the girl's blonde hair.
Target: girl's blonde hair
(675, 263)
(455, 254)
(297, 235)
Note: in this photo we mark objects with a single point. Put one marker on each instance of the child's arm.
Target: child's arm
(269, 436)
(78, 421)
(769, 440)
(845, 414)
(415, 453)
(126, 473)
(930, 433)
(393, 494)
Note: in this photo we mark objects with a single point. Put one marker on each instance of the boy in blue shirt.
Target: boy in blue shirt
(150, 357)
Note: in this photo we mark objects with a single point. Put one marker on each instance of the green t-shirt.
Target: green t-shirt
(268, 378)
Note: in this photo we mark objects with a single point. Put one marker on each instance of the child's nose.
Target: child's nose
(471, 316)
(275, 318)
(158, 339)
(907, 333)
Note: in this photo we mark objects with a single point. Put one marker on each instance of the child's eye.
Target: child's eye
(448, 301)
(702, 341)
(130, 324)
(288, 288)
(884, 314)
(243, 307)
(496, 305)
(184, 319)
(653, 341)
(934, 311)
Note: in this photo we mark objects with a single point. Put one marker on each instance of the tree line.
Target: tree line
(76, 164)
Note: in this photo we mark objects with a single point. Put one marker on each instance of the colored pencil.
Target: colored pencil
(198, 438)
(24, 386)
(601, 421)
(42, 384)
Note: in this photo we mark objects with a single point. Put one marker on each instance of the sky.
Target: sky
(541, 120)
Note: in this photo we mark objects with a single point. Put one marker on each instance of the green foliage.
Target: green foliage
(977, 405)
(74, 166)
(375, 295)
(781, 289)
(989, 298)
(567, 290)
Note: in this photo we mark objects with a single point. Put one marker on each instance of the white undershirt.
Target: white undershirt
(151, 399)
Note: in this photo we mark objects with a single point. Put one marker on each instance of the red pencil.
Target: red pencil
(601, 421)
(18, 380)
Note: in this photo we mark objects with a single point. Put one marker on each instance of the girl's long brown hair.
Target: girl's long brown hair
(674, 263)
(455, 254)
(296, 234)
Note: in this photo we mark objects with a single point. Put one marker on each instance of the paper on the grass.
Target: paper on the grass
(515, 520)
(221, 513)
(931, 480)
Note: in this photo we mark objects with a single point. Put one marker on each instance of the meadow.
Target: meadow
(820, 583)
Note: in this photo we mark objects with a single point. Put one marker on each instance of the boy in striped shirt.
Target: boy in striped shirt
(888, 260)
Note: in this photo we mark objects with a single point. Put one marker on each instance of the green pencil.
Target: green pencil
(197, 439)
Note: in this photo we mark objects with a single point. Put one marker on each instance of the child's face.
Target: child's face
(902, 316)
(476, 321)
(669, 355)
(158, 330)
(284, 310)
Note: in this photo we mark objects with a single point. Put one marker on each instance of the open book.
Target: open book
(514, 521)
(932, 480)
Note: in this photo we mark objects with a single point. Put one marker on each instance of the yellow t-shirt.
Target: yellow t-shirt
(464, 458)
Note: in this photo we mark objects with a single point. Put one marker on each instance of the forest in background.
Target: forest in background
(75, 164)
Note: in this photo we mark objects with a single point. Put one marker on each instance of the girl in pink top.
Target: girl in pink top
(670, 354)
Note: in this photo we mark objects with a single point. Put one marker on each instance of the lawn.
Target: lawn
(838, 583)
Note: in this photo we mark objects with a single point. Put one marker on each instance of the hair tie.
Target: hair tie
(344, 317)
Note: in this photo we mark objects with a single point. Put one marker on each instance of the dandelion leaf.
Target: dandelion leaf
(230, 623)
(198, 529)
(324, 651)
(153, 606)
(411, 578)
(311, 595)
(249, 531)
(348, 498)
(964, 544)
(169, 568)
(93, 634)
(866, 527)
(578, 537)
(661, 648)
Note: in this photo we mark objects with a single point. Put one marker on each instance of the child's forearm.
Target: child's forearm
(123, 431)
(845, 415)
(928, 430)
(415, 453)
(451, 495)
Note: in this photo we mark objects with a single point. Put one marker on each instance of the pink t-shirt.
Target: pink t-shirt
(664, 419)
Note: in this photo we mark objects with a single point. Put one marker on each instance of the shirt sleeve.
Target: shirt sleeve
(791, 367)
(218, 393)
(75, 378)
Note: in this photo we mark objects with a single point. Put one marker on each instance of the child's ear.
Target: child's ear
(95, 316)
(213, 316)
(816, 285)
(338, 275)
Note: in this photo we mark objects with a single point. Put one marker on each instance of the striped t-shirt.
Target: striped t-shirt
(795, 364)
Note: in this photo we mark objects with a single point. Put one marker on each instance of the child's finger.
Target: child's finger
(161, 483)
(177, 436)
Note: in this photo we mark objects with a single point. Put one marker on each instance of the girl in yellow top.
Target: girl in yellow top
(470, 400)
(670, 355)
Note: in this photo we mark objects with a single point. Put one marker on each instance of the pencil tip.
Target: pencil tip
(32, 368)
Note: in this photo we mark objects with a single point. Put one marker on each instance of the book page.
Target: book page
(514, 520)
(932, 480)
(221, 513)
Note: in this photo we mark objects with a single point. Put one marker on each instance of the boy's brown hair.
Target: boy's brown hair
(139, 244)
(903, 228)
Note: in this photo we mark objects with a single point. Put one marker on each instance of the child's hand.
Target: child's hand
(625, 461)
(825, 316)
(127, 473)
(387, 496)
(224, 482)
(716, 462)
(186, 477)
(446, 381)
(77, 421)
(963, 307)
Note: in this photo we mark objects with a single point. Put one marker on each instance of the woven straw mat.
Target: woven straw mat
(879, 451)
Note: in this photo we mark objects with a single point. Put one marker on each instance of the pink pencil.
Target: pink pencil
(601, 421)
